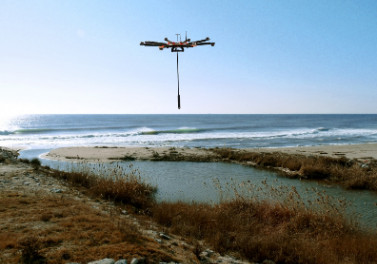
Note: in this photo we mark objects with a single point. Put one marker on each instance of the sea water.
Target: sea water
(237, 131)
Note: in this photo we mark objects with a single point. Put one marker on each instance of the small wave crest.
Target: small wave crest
(22, 131)
(30, 131)
(183, 130)
(6, 132)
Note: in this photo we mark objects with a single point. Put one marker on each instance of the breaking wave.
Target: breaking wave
(175, 131)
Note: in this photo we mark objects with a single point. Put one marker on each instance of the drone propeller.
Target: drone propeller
(202, 40)
(206, 43)
(168, 40)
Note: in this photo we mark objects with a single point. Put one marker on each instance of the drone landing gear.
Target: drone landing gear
(177, 49)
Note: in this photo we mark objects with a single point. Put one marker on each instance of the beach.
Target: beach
(106, 154)
(354, 151)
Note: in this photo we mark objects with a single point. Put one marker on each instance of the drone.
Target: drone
(178, 46)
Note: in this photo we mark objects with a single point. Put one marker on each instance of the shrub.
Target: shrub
(314, 172)
(30, 247)
(127, 158)
(36, 163)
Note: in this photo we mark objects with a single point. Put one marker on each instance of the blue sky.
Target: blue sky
(270, 57)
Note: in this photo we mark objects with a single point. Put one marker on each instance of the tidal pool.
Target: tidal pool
(213, 182)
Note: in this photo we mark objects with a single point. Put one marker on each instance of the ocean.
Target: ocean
(236, 131)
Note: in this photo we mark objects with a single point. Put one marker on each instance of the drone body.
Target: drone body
(178, 46)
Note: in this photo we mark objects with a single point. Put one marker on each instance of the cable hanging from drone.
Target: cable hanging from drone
(178, 46)
(179, 96)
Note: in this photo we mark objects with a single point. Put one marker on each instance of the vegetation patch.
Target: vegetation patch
(125, 189)
(352, 174)
(284, 233)
(74, 232)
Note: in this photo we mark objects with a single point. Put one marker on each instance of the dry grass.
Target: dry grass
(71, 232)
(349, 173)
(262, 230)
(120, 188)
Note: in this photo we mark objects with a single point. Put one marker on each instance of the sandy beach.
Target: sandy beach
(358, 151)
(105, 154)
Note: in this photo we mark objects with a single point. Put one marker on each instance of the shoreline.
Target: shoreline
(366, 151)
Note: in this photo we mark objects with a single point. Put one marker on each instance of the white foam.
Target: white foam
(135, 137)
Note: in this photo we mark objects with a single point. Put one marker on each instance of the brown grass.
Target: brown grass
(125, 189)
(351, 174)
(262, 230)
(74, 232)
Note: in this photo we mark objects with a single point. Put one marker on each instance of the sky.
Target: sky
(84, 57)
